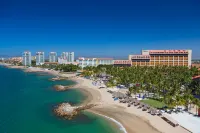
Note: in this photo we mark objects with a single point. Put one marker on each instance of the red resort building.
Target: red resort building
(122, 63)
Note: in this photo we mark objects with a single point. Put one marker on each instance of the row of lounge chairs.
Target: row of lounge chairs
(133, 101)
(144, 107)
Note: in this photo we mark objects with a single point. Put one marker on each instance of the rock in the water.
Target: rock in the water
(67, 111)
(62, 88)
(58, 78)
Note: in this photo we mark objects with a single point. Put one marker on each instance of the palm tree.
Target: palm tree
(173, 85)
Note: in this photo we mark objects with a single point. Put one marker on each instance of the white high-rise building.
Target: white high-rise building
(68, 56)
(64, 55)
(26, 58)
(39, 58)
(52, 57)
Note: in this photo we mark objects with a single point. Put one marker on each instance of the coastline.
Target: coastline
(109, 111)
(131, 120)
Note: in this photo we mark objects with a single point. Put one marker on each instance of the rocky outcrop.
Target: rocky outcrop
(62, 88)
(67, 111)
(58, 78)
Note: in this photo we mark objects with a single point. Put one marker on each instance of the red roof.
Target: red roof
(82, 58)
(122, 61)
(140, 57)
(196, 65)
(196, 77)
(168, 52)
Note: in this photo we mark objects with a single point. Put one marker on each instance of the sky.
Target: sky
(99, 28)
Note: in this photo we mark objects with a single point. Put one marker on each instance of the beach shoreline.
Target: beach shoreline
(131, 120)
(106, 111)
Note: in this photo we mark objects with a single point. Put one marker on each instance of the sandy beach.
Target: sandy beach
(35, 69)
(134, 120)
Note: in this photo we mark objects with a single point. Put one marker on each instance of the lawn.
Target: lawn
(154, 103)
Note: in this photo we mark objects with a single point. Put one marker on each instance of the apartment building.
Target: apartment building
(40, 58)
(83, 62)
(68, 56)
(52, 57)
(26, 58)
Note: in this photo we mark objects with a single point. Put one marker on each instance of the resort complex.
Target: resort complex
(162, 57)
(160, 86)
(147, 58)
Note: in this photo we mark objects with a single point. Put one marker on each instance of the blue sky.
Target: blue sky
(106, 28)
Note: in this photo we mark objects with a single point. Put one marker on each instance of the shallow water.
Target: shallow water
(27, 100)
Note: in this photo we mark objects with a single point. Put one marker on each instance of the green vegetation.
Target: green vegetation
(33, 63)
(67, 67)
(154, 103)
(171, 85)
(61, 67)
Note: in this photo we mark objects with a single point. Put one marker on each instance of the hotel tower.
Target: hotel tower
(39, 58)
(163, 58)
(68, 56)
(52, 57)
(26, 58)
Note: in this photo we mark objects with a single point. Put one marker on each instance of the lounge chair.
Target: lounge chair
(153, 112)
(140, 106)
(144, 109)
(159, 113)
(136, 103)
(120, 100)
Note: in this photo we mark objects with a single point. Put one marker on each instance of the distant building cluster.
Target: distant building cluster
(146, 58)
(65, 58)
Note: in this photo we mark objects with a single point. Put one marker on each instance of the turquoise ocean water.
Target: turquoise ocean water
(27, 101)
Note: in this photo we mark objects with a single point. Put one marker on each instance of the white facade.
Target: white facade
(83, 62)
(26, 58)
(69, 56)
(65, 61)
(39, 58)
(52, 57)
(62, 61)
(189, 58)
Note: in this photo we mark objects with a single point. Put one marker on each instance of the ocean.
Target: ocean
(27, 101)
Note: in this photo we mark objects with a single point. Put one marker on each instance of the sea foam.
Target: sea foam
(122, 128)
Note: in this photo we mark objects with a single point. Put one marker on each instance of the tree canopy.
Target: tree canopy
(172, 85)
